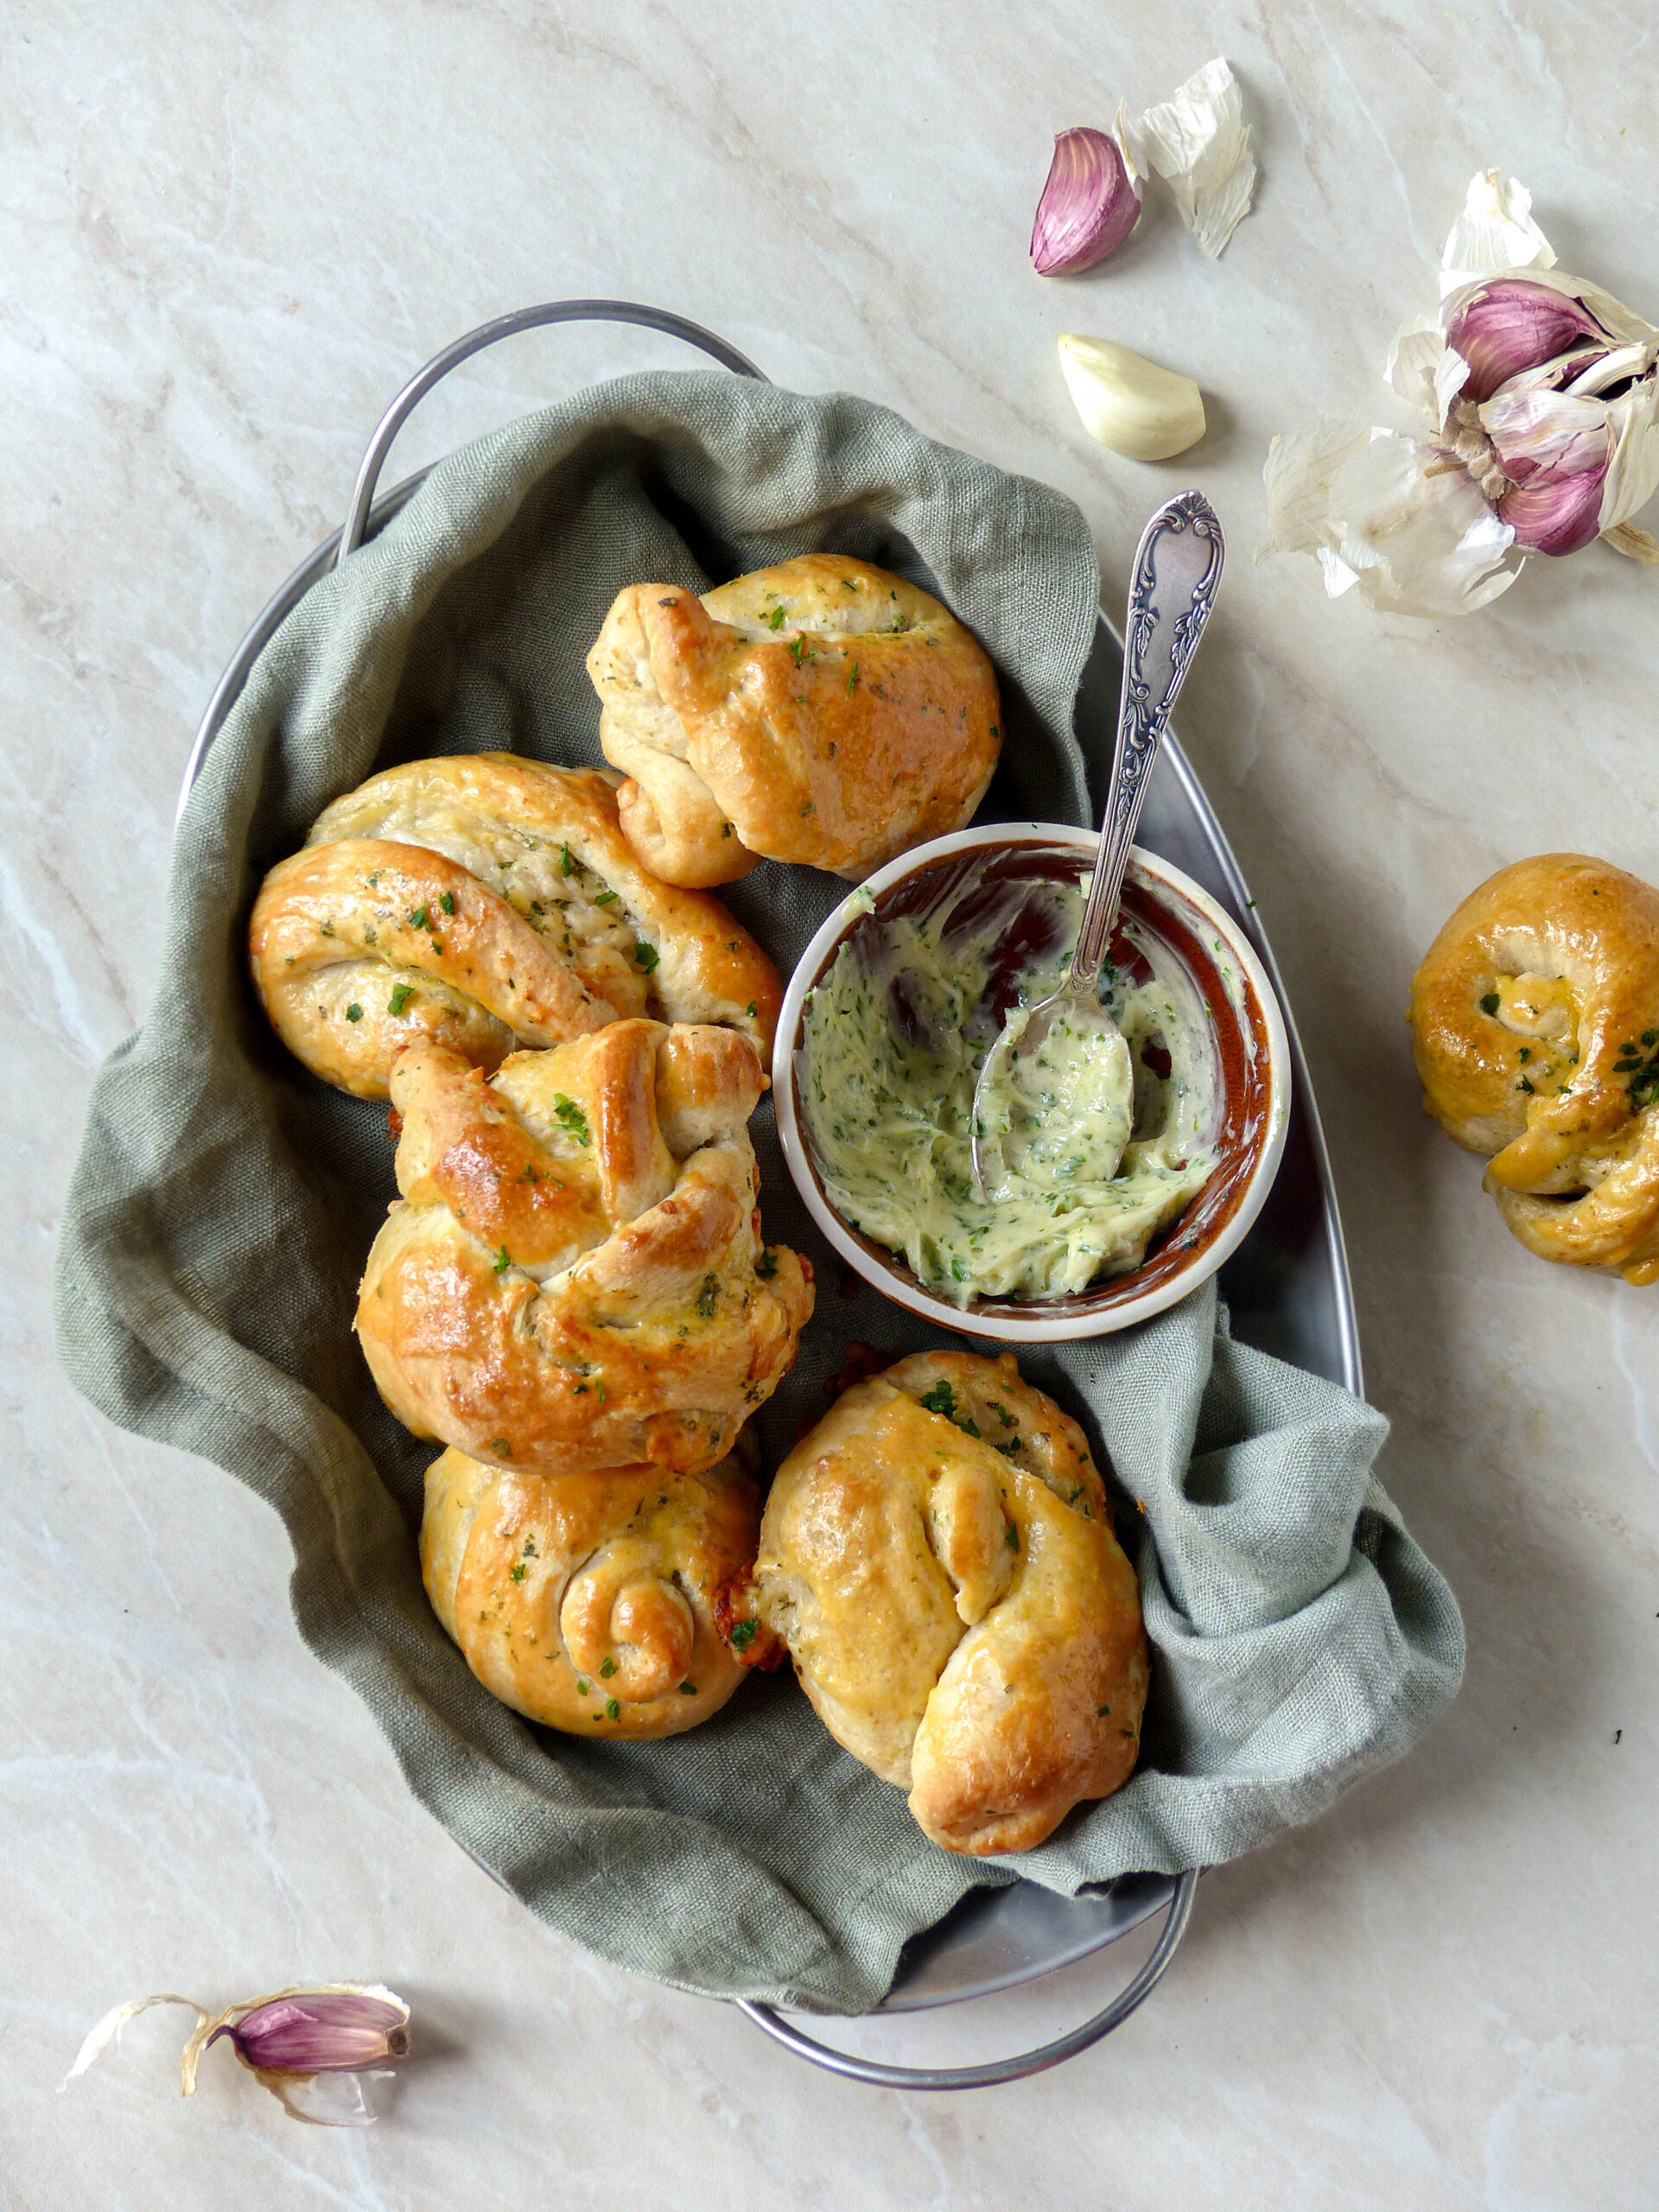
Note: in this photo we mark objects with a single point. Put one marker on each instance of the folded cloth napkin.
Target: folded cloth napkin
(223, 1202)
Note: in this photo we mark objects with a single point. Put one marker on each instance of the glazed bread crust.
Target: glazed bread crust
(821, 711)
(481, 902)
(588, 1604)
(961, 1616)
(573, 1277)
(1535, 1021)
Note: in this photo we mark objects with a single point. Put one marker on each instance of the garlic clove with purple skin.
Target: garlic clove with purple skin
(1509, 325)
(312, 2048)
(1089, 206)
(318, 2031)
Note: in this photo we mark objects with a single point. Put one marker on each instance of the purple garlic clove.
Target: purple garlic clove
(320, 2032)
(1553, 514)
(1510, 325)
(1089, 205)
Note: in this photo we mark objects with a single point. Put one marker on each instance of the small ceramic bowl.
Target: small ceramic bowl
(1251, 1047)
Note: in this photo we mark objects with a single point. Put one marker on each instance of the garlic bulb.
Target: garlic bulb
(1128, 403)
(1089, 204)
(1540, 395)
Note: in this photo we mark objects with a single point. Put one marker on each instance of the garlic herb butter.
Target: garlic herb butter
(893, 1040)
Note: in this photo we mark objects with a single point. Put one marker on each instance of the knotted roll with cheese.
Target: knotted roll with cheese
(821, 711)
(938, 1557)
(588, 1604)
(480, 902)
(573, 1277)
(1535, 1022)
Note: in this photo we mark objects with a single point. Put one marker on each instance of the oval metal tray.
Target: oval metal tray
(1287, 1286)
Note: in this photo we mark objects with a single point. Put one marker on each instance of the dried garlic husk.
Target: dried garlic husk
(1128, 403)
(1198, 140)
(1540, 395)
(310, 2046)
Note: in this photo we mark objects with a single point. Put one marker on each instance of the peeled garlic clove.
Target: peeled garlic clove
(1089, 205)
(1128, 403)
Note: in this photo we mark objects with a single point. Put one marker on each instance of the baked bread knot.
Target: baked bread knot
(1535, 1021)
(588, 1604)
(574, 1277)
(479, 903)
(938, 1556)
(821, 711)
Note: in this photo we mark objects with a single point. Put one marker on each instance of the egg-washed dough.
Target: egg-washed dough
(574, 1277)
(588, 1604)
(480, 902)
(821, 711)
(1535, 1021)
(938, 1556)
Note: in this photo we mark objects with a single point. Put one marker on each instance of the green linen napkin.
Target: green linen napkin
(223, 1202)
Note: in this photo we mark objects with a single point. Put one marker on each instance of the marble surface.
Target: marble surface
(229, 232)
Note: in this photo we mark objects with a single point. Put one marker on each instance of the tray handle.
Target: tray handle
(993, 2071)
(489, 334)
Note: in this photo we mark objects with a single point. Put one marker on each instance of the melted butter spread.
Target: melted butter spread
(894, 1038)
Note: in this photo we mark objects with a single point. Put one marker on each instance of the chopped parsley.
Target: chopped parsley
(766, 1265)
(447, 900)
(1490, 1004)
(1013, 1538)
(744, 1635)
(567, 866)
(612, 1709)
(688, 1689)
(503, 1260)
(417, 919)
(501, 1447)
(582, 1686)
(607, 1669)
(571, 1119)
(647, 955)
(518, 1572)
(353, 1012)
(749, 1010)
(1002, 1413)
(852, 681)
(777, 622)
(941, 1399)
(401, 995)
(707, 1296)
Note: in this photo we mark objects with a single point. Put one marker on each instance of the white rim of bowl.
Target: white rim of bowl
(904, 1290)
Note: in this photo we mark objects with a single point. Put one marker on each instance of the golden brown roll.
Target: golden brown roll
(938, 1556)
(821, 711)
(573, 1277)
(588, 1604)
(1534, 1021)
(481, 902)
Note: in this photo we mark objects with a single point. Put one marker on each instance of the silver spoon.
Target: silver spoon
(1173, 588)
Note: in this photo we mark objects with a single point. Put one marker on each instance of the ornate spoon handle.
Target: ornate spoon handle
(1173, 588)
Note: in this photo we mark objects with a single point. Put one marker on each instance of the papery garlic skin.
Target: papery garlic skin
(1128, 403)
(1198, 140)
(1089, 206)
(1385, 515)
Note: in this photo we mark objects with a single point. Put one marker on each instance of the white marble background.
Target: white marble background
(229, 232)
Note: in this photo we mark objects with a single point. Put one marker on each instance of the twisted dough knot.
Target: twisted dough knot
(480, 902)
(821, 711)
(587, 1604)
(938, 1556)
(574, 1278)
(1535, 1025)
